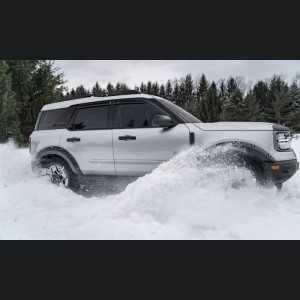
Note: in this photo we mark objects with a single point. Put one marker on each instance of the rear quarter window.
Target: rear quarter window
(55, 119)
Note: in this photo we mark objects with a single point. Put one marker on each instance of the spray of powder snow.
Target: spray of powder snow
(189, 197)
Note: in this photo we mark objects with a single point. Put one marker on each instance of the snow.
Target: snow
(179, 200)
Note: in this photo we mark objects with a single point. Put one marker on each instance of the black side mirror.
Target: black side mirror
(163, 121)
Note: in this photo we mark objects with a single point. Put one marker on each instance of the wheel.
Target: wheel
(60, 173)
(238, 157)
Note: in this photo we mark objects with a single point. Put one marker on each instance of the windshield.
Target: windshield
(186, 116)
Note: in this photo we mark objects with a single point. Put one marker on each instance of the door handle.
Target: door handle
(127, 138)
(72, 140)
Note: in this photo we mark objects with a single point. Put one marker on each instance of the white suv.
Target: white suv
(131, 134)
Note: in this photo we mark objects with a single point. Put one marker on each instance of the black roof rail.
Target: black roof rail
(128, 92)
(104, 94)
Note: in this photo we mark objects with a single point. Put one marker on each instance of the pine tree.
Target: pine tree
(188, 90)
(277, 98)
(253, 110)
(181, 101)
(149, 87)
(162, 91)
(169, 90)
(235, 106)
(9, 106)
(110, 88)
(124, 87)
(261, 93)
(291, 108)
(96, 89)
(155, 89)
(202, 88)
(176, 94)
(35, 83)
(143, 88)
(118, 87)
(73, 93)
(210, 105)
(81, 91)
(222, 92)
(231, 87)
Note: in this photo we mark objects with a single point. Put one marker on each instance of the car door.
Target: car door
(138, 146)
(89, 139)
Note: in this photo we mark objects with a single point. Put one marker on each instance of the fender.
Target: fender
(252, 149)
(61, 153)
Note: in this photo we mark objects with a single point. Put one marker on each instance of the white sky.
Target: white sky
(132, 72)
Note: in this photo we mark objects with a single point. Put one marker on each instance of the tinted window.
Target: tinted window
(54, 119)
(91, 118)
(186, 116)
(49, 117)
(137, 115)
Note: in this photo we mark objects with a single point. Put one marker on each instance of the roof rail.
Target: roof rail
(127, 92)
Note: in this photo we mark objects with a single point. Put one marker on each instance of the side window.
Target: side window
(91, 118)
(136, 115)
(54, 119)
(48, 119)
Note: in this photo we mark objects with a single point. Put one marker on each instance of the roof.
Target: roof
(64, 104)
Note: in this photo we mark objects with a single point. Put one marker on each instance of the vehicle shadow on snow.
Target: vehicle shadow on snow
(104, 186)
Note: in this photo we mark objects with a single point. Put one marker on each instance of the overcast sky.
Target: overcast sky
(132, 72)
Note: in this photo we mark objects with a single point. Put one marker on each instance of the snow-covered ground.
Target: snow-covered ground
(178, 200)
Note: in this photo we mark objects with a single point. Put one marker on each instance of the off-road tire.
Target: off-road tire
(73, 183)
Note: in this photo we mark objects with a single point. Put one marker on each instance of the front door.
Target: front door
(138, 146)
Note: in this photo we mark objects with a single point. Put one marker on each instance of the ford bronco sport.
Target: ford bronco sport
(132, 133)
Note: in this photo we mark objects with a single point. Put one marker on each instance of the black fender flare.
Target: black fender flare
(58, 151)
(251, 149)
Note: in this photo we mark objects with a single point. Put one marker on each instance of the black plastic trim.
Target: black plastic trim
(192, 138)
(258, 152)
(286, 171)
(280, 128)
(63, 154)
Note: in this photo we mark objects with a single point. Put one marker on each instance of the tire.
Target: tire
(279, 186)
(60, 173)
(238, 157)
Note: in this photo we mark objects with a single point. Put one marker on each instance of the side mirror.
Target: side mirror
(163, 121)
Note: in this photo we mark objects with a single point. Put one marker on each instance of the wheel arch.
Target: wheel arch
(251, 149)
(50, 152)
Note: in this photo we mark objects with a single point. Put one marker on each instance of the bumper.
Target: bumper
(283, 170)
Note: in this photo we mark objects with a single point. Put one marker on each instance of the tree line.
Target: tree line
(271, 100)
(27, 85)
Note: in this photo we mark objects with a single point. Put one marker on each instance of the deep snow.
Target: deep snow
(178, 200)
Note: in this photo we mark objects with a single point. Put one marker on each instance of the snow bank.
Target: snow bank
(182, 199)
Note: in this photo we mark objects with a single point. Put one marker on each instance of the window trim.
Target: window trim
(116, 119)
(71, 124)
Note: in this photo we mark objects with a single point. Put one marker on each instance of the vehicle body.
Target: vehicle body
(132, 134)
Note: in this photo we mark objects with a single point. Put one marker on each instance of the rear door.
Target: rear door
(139, 147)
(89, 139)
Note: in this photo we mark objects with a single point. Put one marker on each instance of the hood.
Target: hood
(235, 126)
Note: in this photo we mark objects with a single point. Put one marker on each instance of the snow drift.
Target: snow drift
(182, 199)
